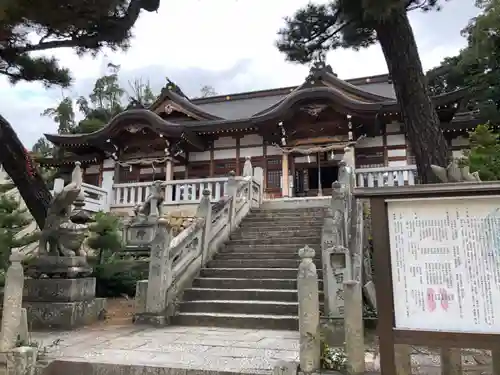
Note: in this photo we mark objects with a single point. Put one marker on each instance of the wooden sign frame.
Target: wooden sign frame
(387, 334)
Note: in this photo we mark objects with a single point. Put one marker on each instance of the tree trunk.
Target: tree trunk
(421, 122)
(21, 169)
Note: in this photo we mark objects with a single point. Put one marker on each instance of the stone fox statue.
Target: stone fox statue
(59, 232)
(154, 202)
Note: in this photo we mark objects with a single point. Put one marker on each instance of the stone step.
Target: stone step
(291, 248)
(242, 307)
(298, 233)
(293, 220)
(276, 225)
(257, 263)
(199, 294)
(295, 209)
(240, 283)
(285, 216)
(245, 321)
(300, 241)
(254, 273)
(260, 255)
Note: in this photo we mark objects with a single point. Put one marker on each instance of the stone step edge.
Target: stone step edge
(231, 315)
(279, 245)
(198, 289)
(263, 253)
(247, 302)
(242, 269)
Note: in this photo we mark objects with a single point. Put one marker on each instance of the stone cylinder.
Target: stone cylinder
(308, 295)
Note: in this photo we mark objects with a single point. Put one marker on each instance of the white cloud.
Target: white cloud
(228, 44)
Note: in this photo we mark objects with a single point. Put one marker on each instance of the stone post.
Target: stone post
(308, 295)
(247, 168)
(232, 188)
(58, 185)
(12, 304)
(335, 257)
(205, 211)
(353, 326)
(160, 275)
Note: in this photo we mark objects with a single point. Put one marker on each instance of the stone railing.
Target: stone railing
(386, 176)
(174, 263)
(342, 245)
(96, 198)
(176, 191)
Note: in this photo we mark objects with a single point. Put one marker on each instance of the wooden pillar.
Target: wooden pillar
(285, 193)
(264, 166)
(211, 167)
(384, 139)
(238, 172)
(101, 167)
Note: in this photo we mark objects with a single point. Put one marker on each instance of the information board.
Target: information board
(445, 260)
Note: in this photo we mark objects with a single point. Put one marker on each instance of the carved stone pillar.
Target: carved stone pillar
(285, 187)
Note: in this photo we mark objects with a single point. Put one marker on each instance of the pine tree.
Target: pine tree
(105, 235)
(484, 154)
(13, 219)
(317, 29)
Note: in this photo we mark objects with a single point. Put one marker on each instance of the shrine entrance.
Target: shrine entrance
(309, 179)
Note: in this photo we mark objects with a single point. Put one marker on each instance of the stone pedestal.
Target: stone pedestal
(62, 303)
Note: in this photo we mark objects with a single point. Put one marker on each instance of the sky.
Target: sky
(227, 44)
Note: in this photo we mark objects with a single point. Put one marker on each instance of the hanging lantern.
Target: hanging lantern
(332, 155)
(308, 158)
(130, 168)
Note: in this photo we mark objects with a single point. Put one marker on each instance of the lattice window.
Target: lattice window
(369, 158)
(274, 179)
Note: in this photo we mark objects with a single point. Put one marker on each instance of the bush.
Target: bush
(115, 277)
(484, 154)
(118, 277)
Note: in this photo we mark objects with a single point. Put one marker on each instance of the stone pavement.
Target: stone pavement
(176, 347)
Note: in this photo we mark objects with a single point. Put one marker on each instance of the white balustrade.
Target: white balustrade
(176, 191)
(386, 176)
(96, 198)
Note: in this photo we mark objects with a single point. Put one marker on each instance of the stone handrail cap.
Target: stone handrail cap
(306, 252)
(232, 174)
(206, 192)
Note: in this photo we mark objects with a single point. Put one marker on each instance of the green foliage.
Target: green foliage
(317, 29)
(118, 277)
(115, 276)
(63, 115)
(28, 27)
(105, 235)
(333, 358)
(13, 219)
(484, 154)
(477, 66)
(105, 101)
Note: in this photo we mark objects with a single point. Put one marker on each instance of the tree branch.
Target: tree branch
(117, 25)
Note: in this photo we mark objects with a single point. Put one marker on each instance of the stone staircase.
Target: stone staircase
(252, 281)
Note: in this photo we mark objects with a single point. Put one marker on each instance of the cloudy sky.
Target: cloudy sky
(227, 44)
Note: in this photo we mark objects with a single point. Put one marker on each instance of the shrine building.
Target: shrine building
(296, 135)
